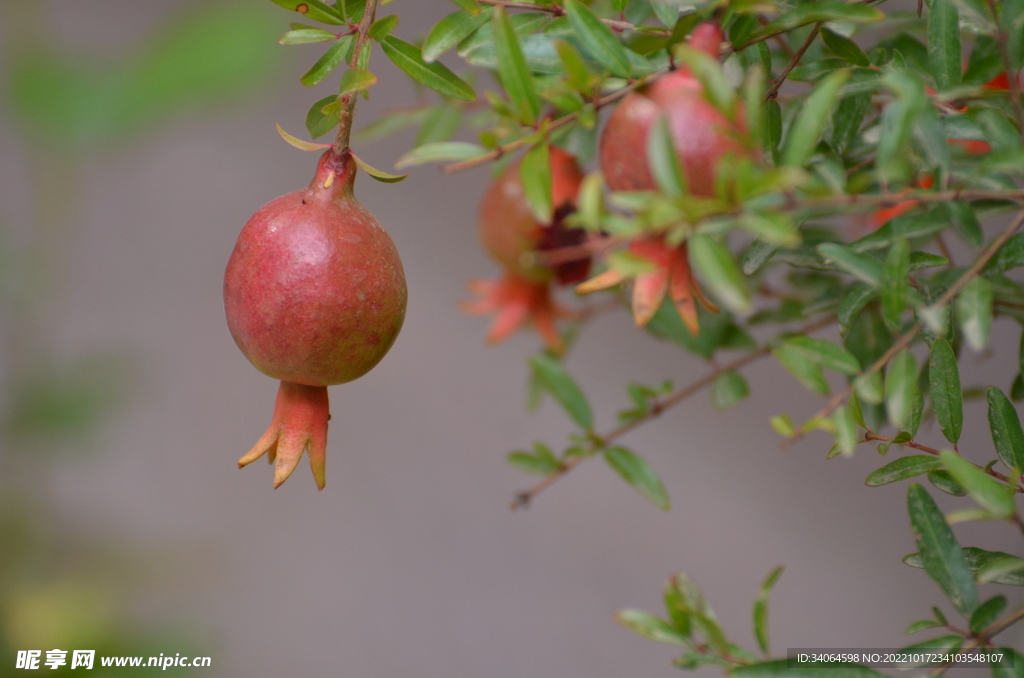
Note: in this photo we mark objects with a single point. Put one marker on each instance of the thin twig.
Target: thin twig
(1001, 625)
(773, 91)
(904, 341)
(348, 107)
(523, 499)
(871, 435)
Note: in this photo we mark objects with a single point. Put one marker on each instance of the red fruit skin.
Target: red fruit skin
(508, 229)
(701, 133)
(314, 291)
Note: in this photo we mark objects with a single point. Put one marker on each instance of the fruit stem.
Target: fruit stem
(348, 106)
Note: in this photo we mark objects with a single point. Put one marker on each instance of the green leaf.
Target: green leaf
(862, 266)
(783, 424)
(436, 76)
(987, 613)
(901, 388)
(319, 123)
(852, 303)
(709, 71)
(986, 566)
(1004, 425)
(782, 668)
(513, 71)
(598, 39)
(377, 174)
(806, 371)
(299, 143)
(845, 48)
(650, 627)
(944, 51)
(314, 9)
(761, 610)
(1009, 256)
(829, 355)
(974, 311)
(728, 389)
(905, 227)
(901, 469)
(356, 80)
(757, 255)
(305, 35)
(441, 151)
(335, 54)
(450, 31)
(687, 602)
(989, 493)
(392, 122)
(826, 10)
(814, 115)
(563, 388)
(718, 267)
(663, 160)
(637, 473)
(1010, 665)
(471, 6)
(946, 392)
(941, 555)
(535, 174)
(773, 129)
(870, 388)
(895, 282)
(846, 430)
(942, 480)
(528, 463)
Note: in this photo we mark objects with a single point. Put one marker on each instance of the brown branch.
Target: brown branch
(773, 91)
(871, 435)
(557, 10)
(523, 499)
(348, 106)
(904, 341)
(1011, 75)
(1002, 624)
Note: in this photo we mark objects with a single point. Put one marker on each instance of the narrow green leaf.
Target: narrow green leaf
(1004, 425)
(650, 627)
(987, 613)
(905, 227)
(528, 463)
(1008, 570)
(314, 9)
(965, 222)
(1009, 665)
(989, 493)
(803, 135)
(382, 27)
(377, 174)
(535, 174)
(318, 122)
(728, 389)
(718, 267)
(852, 303)
(862, 266)
(901, 388)
(302, 36)
(450, 31)
(870, 388)
(974, 312)
(471, 6)
(711, 74)
(901, 469)
(942, 480)
(846, 430)
(757, 254)
(334, 55)
(1009, 256)
(806, 371)
(829, 355)
(513, 71)
(944, 50)
(663, 160)
(783, 424)
(637, 473)
(761, 610)
(946, 392)
(442, 151)
(895, 282)
(824, 10)
(941, 555)
(845, 48)
(356, 80)
(299, 143)
(563, 388)
(436, 75)
(598, 39)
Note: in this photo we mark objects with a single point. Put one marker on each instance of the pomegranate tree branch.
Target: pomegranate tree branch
(1012, 80)
(904, 341)
(557, 10)
(773, 91)
(348, 106)
(523, 499)
(871, 435)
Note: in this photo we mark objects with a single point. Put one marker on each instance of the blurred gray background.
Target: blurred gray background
(139, 525)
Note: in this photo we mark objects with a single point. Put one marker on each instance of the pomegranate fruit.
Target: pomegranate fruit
(513, 237)
(314, 295)
(701, 133)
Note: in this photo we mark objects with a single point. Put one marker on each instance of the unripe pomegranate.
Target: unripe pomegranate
(701, 133)
(315, 295)
(513, 237)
